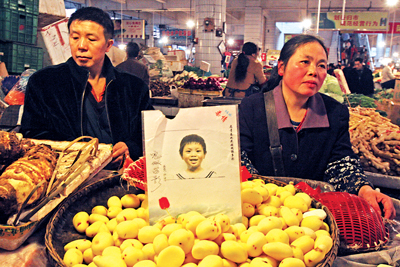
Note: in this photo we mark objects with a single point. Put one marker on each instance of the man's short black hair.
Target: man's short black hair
(96, 15)
(132, 49)
(359, 59)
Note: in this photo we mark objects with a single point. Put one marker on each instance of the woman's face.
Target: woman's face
(193, 154)
(305, 71)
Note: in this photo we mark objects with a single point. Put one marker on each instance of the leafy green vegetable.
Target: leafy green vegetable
(361, 100)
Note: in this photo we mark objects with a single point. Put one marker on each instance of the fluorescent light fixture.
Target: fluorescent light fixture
(391, 2)
(190, 24)
(306, 23)
(164, 40)
(122, 46)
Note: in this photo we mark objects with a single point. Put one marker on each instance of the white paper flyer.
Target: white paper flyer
(193, 162)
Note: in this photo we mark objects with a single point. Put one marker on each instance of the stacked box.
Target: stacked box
(19, 57)
(18, 26)
(28, 6)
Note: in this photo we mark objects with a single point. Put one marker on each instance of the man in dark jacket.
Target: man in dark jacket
(360, 78)
(87, 96)
(133, 65)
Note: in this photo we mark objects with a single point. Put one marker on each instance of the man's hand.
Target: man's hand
(374, 198)
(119, 153)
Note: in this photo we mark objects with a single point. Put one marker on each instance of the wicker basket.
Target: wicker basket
(60, 230)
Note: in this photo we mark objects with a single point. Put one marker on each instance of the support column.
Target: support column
(206, 49)
(269, 41)
(253, 22)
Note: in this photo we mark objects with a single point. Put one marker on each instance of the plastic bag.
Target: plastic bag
(16, 96)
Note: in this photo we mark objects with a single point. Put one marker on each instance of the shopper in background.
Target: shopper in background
(388, 78)
(246, 74)
(313, 128)
(87, 96)
(133, 65)
(359, 78)
(331, 68)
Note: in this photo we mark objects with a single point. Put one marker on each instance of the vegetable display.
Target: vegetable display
(376, 140)
(361, 100)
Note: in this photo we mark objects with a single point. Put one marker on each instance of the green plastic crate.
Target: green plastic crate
(29, 6)
(19, 57)
(18, 26)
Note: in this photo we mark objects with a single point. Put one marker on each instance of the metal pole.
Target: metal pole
(391, 38)
(343, 9)
(319, 11)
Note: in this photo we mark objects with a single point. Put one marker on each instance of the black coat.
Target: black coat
(363, 84)
(53, 104)
(306, 154)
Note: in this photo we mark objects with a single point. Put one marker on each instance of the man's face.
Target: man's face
(358, 65)
(88, 44)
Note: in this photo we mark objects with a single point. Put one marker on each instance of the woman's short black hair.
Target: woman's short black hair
(192, 138)
(96, 15)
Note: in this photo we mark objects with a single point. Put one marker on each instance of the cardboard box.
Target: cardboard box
(175, 65)
(394, 112)
(50, 11)
(396, 92)
(55, 41)
(180, 54)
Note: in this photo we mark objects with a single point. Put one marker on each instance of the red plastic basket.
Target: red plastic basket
(361, 228)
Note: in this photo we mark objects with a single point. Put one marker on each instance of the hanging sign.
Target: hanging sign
(193, 164)
(129, 29)
(352, 20)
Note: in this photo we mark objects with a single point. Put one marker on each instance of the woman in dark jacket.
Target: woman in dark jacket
(313, 128)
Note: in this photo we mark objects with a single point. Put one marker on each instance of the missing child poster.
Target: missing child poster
(193, 162)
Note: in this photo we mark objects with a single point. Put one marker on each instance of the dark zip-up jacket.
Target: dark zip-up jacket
(53, 107)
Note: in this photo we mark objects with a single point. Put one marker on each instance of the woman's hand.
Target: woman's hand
(374, 198)
(119, 152)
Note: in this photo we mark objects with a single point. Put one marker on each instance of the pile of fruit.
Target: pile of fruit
(279, 228)
(207, 84)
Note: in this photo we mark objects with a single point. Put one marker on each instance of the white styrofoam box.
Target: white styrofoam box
(175, 65)
(179, 53)
(52, 7)
(50, 11)
(56, 41)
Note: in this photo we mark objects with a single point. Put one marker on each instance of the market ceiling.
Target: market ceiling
(176, 11)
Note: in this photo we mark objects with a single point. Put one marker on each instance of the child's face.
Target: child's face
(193, 154)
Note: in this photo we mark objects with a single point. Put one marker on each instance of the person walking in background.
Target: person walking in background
(133, 65)
(246, 74)
(359, 78)
(388, 78)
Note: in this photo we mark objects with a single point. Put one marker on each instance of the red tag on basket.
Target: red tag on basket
(244, 174)
(306, 188)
